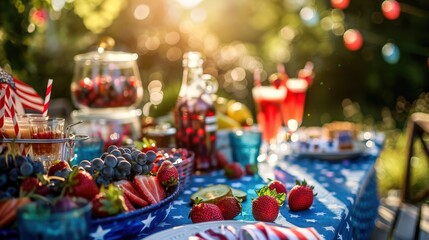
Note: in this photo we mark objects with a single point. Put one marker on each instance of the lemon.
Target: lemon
(225, 122)
(241, 113)
(221, 104)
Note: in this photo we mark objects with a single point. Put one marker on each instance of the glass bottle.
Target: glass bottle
(195, 116)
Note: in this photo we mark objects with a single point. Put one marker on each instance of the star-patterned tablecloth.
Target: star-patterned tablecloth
(345, 206)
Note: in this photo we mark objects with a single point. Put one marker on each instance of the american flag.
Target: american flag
(25, 96)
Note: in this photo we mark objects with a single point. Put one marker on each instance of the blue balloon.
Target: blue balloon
(390, 53)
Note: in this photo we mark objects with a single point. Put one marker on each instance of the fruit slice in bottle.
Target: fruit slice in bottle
(212, 193)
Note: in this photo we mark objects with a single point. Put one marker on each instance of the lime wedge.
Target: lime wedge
(211, 193)
(239, 194)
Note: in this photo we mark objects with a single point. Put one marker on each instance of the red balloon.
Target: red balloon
(391, 9)
(353, 39)
(340, 4)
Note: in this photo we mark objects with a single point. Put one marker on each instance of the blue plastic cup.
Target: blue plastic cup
(37, 221)
(87, 150)
(245, 145)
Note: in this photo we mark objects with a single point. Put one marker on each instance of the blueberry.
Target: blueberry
(108, 172)
(84, 163)
(13, 174)
(110, 161)
(26, 169)
(38, 167)
(116, 153)
(97, 164)
(111, 148)
(137, 169)
(141, 158)
(151, 156)
(124, 166)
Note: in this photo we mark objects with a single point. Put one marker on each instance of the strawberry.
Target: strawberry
(109, 201)
(8, 210)
(233, 170)
(301, 196)
(57, 166)
(80, 184)
(204, 212)
(131, 194)
(222, 161)
(32, 185)
(251, 169)
(150, 188)
(148, 144)
(168, 174)
(278, 186)
(130, 206)
(230, 207)
(266, 206)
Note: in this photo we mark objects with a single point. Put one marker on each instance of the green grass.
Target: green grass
(391, 164)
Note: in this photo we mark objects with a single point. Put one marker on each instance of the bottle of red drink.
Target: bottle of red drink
(195, 116)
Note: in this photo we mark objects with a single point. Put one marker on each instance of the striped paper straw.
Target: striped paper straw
(47, 98)
(2, 106)
(9, 96)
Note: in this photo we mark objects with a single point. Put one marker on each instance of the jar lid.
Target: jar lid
(106, 56)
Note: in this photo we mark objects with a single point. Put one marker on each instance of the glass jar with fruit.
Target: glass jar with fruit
(106, 79)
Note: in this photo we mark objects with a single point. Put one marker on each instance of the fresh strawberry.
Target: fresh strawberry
(57, 166)
(266, 206)
(8, 209)
(32, 185)
(230, 207)
(251, 169)
(233, 170)
(130, 206)
(222, 161)
(148, 144)
(80, 184)
(150, 188)
(278, 186)
(168, 174)
(108, 202)
(131, 194)
(204, 212)
(301, 196)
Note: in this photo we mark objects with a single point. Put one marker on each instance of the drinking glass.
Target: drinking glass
(268, 102)
(51, 128)
(245, 146)
(293, 104)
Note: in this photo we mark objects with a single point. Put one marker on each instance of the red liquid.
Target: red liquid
(293, 104)
(195, 121)
(46, 148)
(268, 102)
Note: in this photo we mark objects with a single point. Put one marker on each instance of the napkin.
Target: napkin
(257, 231)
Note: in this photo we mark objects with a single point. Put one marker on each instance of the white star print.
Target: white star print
(163, 224)
(320, 214)
(177, 217)
(198, 180)
(329, 228)
(351, 200)
(236, 185)
(337, 217)
(246, 178)
(167, 211)
(180, 202)
(340, 237)
(294, 216)
(348, 226)
(334, 206)
(99, 234)
(311, 220)
(147, 222)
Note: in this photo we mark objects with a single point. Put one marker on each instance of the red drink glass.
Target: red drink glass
(268, 101)
(293, 103)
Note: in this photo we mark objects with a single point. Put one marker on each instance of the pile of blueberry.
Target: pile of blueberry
(119, 163)
(14, 168)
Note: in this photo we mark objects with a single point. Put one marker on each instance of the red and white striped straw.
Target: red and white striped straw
(9, 96)
(2, 106)
(257, 77)
(281, 68)
(47, 98)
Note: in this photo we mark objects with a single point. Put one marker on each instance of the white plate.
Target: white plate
(186, 231)
(358, 150)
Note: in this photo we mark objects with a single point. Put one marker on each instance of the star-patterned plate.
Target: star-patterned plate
(131, 224)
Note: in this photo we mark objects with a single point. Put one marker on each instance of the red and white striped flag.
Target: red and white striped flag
(25, 96)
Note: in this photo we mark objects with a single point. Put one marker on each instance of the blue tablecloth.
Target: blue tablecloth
(345, 206)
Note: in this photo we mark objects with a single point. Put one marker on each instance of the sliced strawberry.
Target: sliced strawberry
(131, 193)
(130, 206)
(150, 188)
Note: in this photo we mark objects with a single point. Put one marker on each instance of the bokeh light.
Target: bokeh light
(353, 39)
(309, 16)
(391, 9)
(141, 12)
(340, 4)
(390, 53)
